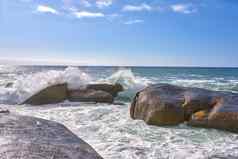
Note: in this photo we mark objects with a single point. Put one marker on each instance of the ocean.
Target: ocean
(108, 128)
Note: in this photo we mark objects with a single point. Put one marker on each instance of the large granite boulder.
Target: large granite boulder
(159, 105)
(164, 104)
(50, 95)
(23, 137)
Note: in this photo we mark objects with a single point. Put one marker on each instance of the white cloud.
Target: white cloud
(137, 8)
(103, 3)
(183, 8)
(136, 21)
(46, 9)
(85, 14)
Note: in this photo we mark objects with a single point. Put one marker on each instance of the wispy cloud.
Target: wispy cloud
(86, 14)
(46, 9)
(103, 3)
(136, 21)
(137, 8)
(183, 8)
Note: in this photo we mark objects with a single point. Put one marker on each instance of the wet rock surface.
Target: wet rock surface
(164, 104)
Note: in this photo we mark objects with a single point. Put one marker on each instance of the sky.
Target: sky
(119, 32)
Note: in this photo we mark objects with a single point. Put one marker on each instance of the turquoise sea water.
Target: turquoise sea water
(108, 128)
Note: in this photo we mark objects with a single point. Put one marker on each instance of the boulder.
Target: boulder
(25, 137)
(159, 105)
(90, 95)
(223, 115)
(9, 85)
(112, 89)
(164, 104)
(50, 95)
(100, 93)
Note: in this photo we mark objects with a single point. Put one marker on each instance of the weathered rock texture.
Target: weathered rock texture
(24, 137)
(164, 104)
(103, 93)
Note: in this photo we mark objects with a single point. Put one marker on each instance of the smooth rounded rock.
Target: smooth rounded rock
(164, 104)
(50, 95)
(23, 137)
(158, 105)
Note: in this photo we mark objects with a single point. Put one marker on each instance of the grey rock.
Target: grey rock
(23, 137)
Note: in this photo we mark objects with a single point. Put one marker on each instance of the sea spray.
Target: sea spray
(129, 81)
(29, 84)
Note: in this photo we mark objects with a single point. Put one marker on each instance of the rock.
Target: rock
(50, 95)
(159, 105)
(99, 93)
(112, 89)
(4, 111)
(103, 93)
(9, 84)
(223, 115)
(90, 95)
(25, 137)
(164, 104)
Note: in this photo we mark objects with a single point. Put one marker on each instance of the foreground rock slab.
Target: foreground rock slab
(23, 137)
(164, 104)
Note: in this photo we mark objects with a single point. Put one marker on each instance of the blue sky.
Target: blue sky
(119, 32)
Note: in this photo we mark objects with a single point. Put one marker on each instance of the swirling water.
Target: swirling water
(108, 128)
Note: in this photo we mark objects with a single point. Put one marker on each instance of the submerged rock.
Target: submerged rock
(25, 137)
(50, 95)
(165, 104)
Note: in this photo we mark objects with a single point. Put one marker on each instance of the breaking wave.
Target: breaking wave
(28, 84)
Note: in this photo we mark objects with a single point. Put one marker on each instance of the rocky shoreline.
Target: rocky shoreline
(160, 104)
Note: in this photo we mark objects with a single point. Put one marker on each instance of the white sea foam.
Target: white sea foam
(127, 78)
(27, 85)
(110, 130)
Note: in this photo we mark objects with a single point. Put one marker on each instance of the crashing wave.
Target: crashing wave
(27, 85)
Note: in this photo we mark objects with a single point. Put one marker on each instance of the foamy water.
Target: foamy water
(111, 132)
(109, 128)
